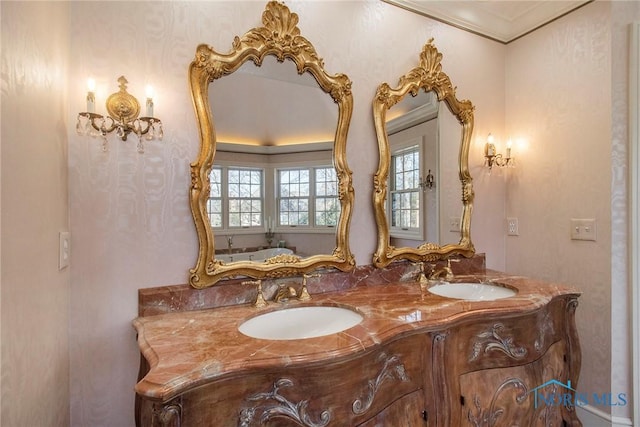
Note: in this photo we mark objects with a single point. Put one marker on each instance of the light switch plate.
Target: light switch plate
(583, 229)
(454, 224)
(64, 249)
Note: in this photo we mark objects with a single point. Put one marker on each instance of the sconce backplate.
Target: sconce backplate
(122, 105)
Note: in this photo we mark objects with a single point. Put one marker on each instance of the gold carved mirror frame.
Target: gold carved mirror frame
(428, 76)
(279, 36)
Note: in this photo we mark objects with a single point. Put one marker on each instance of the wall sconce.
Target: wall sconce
(428, 182)
(123, 110)
(492, 158)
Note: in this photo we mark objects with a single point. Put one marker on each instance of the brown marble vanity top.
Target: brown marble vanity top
(191, 348)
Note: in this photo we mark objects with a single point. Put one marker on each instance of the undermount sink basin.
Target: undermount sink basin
(296, 323)
(472, 291)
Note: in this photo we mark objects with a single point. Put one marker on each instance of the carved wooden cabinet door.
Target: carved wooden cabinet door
(496, 397)
(509, 396)
(506, 370)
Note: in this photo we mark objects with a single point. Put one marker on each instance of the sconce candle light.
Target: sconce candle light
(428, 182)
(91, 96)
(123, 110)
(149, 101)
(492, 158)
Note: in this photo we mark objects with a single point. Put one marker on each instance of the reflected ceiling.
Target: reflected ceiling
(272, 107)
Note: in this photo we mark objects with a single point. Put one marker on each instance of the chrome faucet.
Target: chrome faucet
(230, 244)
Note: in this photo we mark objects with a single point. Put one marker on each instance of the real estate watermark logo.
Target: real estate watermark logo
(557, 393)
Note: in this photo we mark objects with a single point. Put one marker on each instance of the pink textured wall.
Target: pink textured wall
(35, 294)
(561, 92)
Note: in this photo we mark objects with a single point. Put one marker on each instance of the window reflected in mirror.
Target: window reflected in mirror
(272, 166)
(407, 204)
(241, 192)
(275, 155)
(308, 197)
(422, 190)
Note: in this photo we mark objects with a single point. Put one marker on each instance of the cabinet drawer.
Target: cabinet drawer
(333, 394)
(505, 341)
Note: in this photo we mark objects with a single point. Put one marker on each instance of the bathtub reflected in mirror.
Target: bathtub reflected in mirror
(260, 255)
(257, 205)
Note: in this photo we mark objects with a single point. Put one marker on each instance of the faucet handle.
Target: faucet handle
(424, 266)
(260, 301)
(422, 278)
(304, 292)
(449, 261)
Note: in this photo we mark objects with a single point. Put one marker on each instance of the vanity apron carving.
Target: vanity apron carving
(492, 341)
(392, 369)
(280, 407)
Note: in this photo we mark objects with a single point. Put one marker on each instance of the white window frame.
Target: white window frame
(226, 228)
(311, 228)
(417, 233)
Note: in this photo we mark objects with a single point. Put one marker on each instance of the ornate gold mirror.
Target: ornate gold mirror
(424, 150)
(257, 188)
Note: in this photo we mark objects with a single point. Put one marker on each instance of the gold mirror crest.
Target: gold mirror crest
(279, 36)
(428, 76)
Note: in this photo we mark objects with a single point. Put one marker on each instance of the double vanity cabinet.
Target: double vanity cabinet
(416, 359)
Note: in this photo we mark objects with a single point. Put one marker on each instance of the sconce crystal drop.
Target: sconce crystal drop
(123, 110)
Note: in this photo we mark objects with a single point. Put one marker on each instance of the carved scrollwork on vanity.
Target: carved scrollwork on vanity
(488, 416)
(546, 329)
(393, 369)
(491, 340)
(275, 405)
(169, 413)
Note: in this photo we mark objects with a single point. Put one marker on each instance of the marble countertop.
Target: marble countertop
(188, 349)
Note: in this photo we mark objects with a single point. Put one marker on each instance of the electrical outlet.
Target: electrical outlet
(64, 249)
(583, 229)
(512, 227)
(454, 224)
